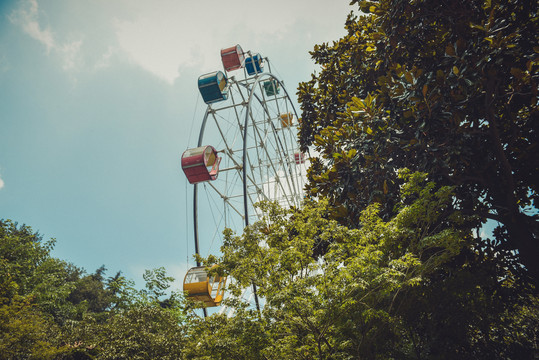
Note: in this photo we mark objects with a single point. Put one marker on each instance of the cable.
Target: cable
(193, 121)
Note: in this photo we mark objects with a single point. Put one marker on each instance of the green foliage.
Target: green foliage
(22, 254)
(407, 287)
(447, 88)
(142, 332)
(381, 263)
(26, 272)
(242, 336)
(413, 286)
(157, 282)
(50, 309)
(25, 332)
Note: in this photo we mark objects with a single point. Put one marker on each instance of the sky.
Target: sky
(98, 100)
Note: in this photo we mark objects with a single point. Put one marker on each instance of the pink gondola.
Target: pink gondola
(200, 164)
(299, 158)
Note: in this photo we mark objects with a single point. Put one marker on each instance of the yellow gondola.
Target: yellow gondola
(199, 286)
(287, 119)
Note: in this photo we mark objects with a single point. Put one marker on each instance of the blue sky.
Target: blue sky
(98, 100)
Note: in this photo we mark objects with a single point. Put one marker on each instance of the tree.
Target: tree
(50, 309)
(22, 252)
(128, 323)
(241, 336)
(411, 287)
(444, 87)
(26, 330)
(142, 332)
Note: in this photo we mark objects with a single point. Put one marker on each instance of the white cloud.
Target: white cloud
(27, 17)
(167, 37)
(150, 44)
(71, 55)
(105, 59)
(1, 183)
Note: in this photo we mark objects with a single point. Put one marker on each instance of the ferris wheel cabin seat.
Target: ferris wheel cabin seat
(199, 286)
(253, 64)
(200, 164)
(213, 87)
(232, 58)
(271, 87)
(299, 157)
(287, 119)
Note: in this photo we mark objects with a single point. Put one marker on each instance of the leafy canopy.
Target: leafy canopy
(447, 88)
(412, 286)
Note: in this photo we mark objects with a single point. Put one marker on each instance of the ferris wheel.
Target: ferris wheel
(247, 151)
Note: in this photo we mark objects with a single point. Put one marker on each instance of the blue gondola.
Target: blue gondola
(213, 87)
(253, 64)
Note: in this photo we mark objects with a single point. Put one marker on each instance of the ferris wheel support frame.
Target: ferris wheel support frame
(251, 87)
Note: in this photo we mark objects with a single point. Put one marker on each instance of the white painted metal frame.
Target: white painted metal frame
(257, 155)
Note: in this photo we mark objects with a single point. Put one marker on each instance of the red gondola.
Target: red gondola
(299, 158)
(200, 164)
(232, 58)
